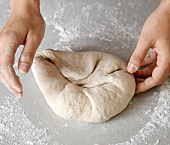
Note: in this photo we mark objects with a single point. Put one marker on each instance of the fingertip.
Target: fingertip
(23, 67)
(18, 89)
(137, 92)
(18, 95)
(142, 86)
(131, 68)
(138, 89)
(138, 55)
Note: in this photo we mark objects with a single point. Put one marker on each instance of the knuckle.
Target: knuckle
(8, 33)
(43, 24)
(6, 61)
(40, 23)
(157, 82)
(137, 59)
(10, 37)
(13, 45)
(35, 38)
(144, 36)
(38, 31)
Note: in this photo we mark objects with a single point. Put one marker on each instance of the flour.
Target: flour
(159, 119)
(16, 128)
(84, 25)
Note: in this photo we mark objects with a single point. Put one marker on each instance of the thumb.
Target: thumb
(139, 54)
(28, 53)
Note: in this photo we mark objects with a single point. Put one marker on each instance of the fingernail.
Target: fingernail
(132, 68)
(17, 89)
(22, 72)
(23, 67)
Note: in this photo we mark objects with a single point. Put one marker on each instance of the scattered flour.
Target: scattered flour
(16, 128)
(114, 28)
(159, 119)
(69, 26)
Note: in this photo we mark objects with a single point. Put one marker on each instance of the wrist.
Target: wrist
(24, 6)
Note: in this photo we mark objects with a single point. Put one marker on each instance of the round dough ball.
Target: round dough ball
(84, 86)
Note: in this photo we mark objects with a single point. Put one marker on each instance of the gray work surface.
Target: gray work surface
(111, 26)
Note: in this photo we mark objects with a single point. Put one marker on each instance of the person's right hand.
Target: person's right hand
(24, 27)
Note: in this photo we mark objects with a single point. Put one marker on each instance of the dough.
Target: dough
(84, 86)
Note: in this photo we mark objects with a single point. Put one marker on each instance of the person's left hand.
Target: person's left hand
(25, 27)
(152, 70)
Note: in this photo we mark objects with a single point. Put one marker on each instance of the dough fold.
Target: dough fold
(84, 86)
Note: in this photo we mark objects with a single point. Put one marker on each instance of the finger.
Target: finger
(139, 54)
(159, 74)
(9, 46)
(12, 90)
(11, 77)
(32, 43)
(150, 59)
(139, 80)
(146, 72)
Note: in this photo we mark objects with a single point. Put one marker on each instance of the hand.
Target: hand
(155, 35)
(24, 27)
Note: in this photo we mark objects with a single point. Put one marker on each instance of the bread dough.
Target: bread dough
(84, 86)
